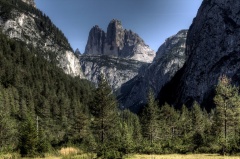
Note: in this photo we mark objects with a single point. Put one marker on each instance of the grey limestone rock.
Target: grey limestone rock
(169, 59)
(24, 26)
(117, 54)
(118, 42)
(213, 50)
(96, 40)
(116, 70)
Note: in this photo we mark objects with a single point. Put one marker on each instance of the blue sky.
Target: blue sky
(152, 20)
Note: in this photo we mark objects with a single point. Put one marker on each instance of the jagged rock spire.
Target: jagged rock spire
(96, 40)
(77, 52)
(118, 42)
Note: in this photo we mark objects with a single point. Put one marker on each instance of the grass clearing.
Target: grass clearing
(178, 156)
(63, 153)
(69, 151)
(75, 153)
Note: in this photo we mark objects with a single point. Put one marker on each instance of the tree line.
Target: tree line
(42, 109)
(32, 87)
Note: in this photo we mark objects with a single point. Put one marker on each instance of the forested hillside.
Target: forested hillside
(25, 23)
(42, 108)
(44, 23)
(32, 86)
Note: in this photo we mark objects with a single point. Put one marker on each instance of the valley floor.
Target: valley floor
(178, 156)
(138, 156)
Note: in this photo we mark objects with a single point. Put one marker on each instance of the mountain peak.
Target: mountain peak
(96, 39)
(176, 41)
(115, 23)
(77, 52)
(30, 2)
(118, 42)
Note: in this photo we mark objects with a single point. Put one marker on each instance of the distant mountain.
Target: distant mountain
(117, 54)
(169, 59)
(20, 20)
(118, 42)
(213, 50)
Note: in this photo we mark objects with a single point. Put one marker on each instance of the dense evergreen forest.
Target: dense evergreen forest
(42, 109)
(33, 87)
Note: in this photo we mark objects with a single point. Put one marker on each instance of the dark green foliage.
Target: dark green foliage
(41, 107)
(28, 138)
(33, 141)
(195, 130)
(30, 84)
(71, 111)
(105, 122)
(150, 120)
(131, 135)
(8, 126)
(227, 116)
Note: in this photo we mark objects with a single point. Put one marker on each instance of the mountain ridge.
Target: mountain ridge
(213, 51)
(20, 20)
(170, 57)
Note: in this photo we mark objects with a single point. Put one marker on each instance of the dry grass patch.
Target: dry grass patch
(178, 156)
(10, 156)
(74, 153)
(49, 157)
(69, 151)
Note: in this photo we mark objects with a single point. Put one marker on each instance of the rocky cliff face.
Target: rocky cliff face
(118, 42)
(169, 59)
(117, 54)
(32, 27)
(116, 70)
(213, 48)
(96, 41)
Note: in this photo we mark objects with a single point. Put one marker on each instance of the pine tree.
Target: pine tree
(131, 131)
(29, 138)
(8, 128)
(169, 121)
(185, 122)
(150, 119)
(185, 130)
(80, 128)
(104, 111)
(226, 118)
(127, 138)
(198, 126)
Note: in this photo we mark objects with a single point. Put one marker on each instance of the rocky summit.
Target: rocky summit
(96, 40)
(213, 50)
(118, 42)
(117, 54)
(169, 59)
